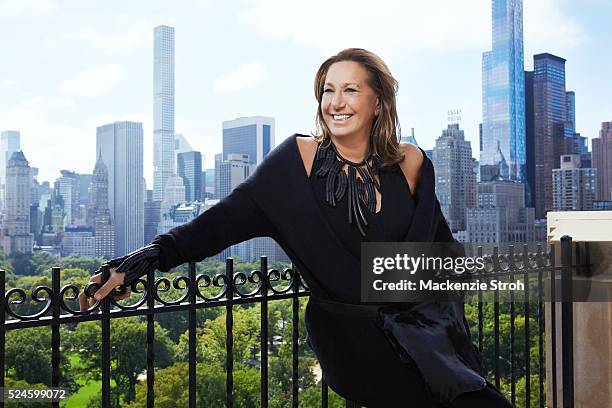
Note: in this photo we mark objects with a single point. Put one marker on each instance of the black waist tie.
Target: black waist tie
(433, 336)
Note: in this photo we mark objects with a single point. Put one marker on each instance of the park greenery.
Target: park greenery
(28, 351)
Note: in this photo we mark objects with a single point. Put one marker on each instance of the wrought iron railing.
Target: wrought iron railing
(536, 267)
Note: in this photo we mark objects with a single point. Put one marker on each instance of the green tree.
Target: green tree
(504, 338)
(520, 391)
(28, 357)
(172, 387)
(311, 398)
(128, 351)
(12, 383)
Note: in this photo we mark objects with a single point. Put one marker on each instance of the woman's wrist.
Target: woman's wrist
(139, 263)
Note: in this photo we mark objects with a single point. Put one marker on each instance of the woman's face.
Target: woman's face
(348, 103)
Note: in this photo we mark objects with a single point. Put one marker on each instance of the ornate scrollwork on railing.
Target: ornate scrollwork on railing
(75, 295)
(219, 280)
(21, 298)
(134, 288)
(240, 279)
(242, 285)
(163, 285)
(288, 275)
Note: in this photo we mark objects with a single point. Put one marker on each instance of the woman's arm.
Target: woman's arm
(234, 219)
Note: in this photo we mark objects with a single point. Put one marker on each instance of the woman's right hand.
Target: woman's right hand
(123, 271)
(115, 279)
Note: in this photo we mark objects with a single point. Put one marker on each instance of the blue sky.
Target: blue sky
(69, 66)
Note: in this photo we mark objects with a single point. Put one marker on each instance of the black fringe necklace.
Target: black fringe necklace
(360, 192)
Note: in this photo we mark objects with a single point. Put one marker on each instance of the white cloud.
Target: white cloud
(125, 39)
(94, 82)
(9, 83)
(246, 76)
(388, 24)
(547, 29)
(391, 25)
(48, 144)
(13, 8)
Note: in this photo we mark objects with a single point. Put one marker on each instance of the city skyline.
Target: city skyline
(273, 68)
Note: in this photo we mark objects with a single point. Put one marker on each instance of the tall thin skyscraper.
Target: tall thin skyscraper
(253, 135)
(16, 228)
(120, 145)
(503, 93)
(163, 109)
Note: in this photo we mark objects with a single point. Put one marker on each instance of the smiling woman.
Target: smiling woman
(394, 355)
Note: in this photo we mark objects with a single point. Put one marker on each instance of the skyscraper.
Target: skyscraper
(455, 178)
(253, 135)
(529, 141)
(503, 93)
(181, 145)
(602, 161)
(190, 169)
(163, 109)
(16, 229)
(67, 186)
(500, 214)
(9, 144)
(120, 145)
(551, 140)
(99, 213)
(573, 187)
(230, 173)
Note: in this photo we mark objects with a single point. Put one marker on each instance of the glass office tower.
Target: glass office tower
(503, 93)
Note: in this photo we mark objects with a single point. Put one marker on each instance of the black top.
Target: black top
(355, 354)
(383, 226)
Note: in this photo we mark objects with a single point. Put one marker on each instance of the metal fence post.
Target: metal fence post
(567, 322)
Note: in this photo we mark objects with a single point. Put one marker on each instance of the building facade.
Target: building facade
(252, 136)
(550, 141)
(602, 161)
(455, 178)
(503, 92)
(500, 215)
(10, 141)
(99, 215)
(16, 236)
(67, 186)
(78, 241)
(163, 109)
(574, 188)
(120, 144)
(230, 173)
(190, 170)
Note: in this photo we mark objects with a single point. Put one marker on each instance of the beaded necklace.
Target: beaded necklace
(360, 192)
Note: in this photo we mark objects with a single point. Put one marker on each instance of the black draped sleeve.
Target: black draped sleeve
(234, 219)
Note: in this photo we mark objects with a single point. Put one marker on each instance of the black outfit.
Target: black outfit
(416, 356)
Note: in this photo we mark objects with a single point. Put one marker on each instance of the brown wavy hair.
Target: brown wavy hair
(386, 131)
